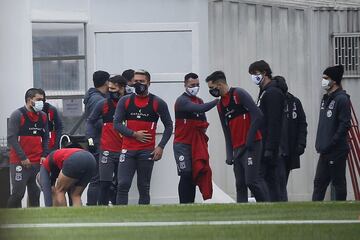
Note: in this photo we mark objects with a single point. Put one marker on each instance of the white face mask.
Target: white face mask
(129, 89)
(257, 78)
(38, 106)
(193, 91)
(325, 84)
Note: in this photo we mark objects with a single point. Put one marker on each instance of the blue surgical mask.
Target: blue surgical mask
(38, 106)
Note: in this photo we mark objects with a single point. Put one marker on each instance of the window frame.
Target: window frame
(341, 59)
(71, 93)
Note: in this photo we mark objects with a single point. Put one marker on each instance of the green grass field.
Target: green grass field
(195, 212)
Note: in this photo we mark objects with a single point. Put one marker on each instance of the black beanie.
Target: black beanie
(335, 73)
(100, 78)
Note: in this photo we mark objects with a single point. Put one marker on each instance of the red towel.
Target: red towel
(201, 171)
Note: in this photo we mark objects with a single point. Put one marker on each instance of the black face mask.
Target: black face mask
(115, 95)
(215, 92)
(140, 88)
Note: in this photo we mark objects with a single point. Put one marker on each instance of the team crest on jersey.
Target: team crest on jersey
(286, 108)
(329, 113)
(104, 159)
(140, 114)
(332, 104)
(250, 161)
(123, 150)
(122, 157)
(294, 115)
(181, 158)
(229, 112)
(18, 176)
(182, 165)
(322, 104)
(18, 168)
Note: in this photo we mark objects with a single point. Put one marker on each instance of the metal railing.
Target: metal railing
(354, 154)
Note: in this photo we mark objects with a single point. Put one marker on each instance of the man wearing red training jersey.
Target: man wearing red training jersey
(66, 170)
(28, 138)
(190, 141)
(240, 119)
(140, 112)
(111, 140)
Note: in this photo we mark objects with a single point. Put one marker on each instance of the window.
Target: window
(347, 53)
(59, 58)
(59, 62)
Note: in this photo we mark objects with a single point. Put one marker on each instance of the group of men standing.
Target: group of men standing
(264, 140)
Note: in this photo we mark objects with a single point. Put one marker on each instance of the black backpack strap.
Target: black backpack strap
(46, 108)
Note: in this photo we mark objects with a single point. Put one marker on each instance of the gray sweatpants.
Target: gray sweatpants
(108, 168)
(247, 174)
(141, 162)
(21, 178)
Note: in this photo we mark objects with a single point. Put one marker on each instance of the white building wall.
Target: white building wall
(15, 57)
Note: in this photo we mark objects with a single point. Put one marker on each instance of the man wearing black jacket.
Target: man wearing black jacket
(331, 138)
(293, 136)
(271, 103)
(94, 95)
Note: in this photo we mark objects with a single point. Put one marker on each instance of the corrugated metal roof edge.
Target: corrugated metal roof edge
(318, 5)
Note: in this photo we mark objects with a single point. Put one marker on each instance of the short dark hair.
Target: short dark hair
(128, 74)
(100, 78)
(143, 72)
(118, 79)
(281, 83)
(260, 66)
(42, 92)
(216, 77)
(31, 92)
(190, 75)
